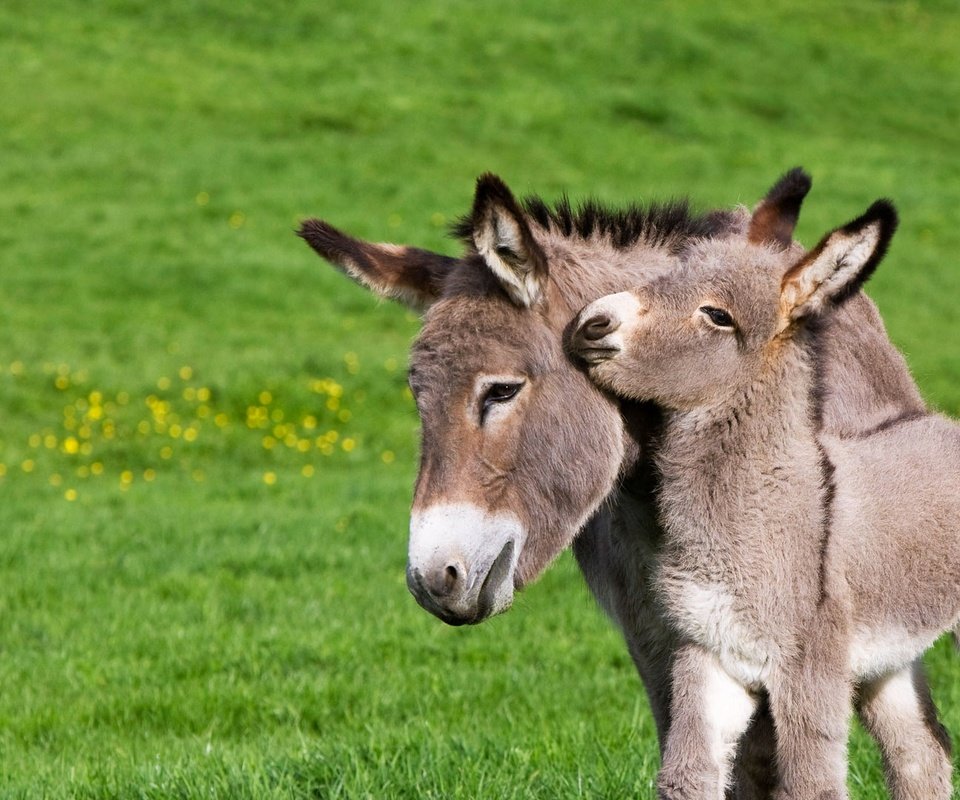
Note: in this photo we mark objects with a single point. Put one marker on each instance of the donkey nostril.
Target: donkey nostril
(443, 581)
(450, 577)
(597, 327)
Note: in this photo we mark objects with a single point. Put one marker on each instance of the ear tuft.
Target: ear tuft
(775, 217)
(331, 244)
(883, 215)
(499, 230)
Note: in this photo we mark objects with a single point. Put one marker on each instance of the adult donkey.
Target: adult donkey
(521, 456)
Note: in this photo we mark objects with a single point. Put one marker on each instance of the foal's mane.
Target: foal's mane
(667, 224)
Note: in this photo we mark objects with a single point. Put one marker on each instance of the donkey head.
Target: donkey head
(518, 447)
(697, 335)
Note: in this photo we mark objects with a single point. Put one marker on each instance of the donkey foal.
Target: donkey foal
(796, 562)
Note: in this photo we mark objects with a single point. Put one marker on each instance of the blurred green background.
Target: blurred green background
(207, 447)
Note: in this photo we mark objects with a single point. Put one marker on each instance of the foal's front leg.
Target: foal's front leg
(810, 697)
(708, 715)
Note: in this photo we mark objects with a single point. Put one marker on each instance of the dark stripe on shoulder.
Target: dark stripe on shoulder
(827, 497)
(827, 470)
(892, 422)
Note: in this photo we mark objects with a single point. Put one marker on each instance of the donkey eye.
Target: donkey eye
(718, 316)
(498, 393)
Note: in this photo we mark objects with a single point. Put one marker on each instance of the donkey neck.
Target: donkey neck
(715, 462)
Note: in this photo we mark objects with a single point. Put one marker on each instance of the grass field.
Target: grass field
(207, 446)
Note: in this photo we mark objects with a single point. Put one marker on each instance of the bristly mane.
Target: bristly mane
(670, 224)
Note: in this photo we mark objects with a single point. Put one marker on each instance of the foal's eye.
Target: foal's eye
(498, 393)
(718, 316)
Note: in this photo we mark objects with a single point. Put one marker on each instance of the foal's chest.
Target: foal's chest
(711, 615)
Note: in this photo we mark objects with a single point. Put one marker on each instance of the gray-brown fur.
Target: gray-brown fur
(568, 463)
(800, 558)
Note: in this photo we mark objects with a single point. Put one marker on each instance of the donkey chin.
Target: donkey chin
(462, 561)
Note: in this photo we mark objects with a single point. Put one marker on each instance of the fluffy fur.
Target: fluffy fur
(572, 465)
(798, 561)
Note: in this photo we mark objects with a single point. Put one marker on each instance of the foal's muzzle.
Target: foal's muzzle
(593, 336)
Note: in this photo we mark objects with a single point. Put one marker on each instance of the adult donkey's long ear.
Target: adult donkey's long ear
(499, 231)
(837, 267)
(775, 217)
(408, 274)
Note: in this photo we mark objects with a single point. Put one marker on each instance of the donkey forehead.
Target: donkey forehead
(732, 272)
(463, 336)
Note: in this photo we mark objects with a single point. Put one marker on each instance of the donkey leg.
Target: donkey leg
(709, 713)
(811, 711)
(899, 713)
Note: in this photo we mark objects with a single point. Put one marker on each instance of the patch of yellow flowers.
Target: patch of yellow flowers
(169, 428)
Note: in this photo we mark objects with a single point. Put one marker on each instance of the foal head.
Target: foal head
(697, 335)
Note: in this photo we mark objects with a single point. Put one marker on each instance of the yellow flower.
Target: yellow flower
(269, 478)
(307, 471)
(185, 373)
(71, 446)
(348, 445)
(70, 495)
(388, 456)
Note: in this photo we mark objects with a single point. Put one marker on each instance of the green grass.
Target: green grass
(195, 617)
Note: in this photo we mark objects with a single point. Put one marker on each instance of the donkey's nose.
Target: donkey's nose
(594, 337)
(445, 580)
(597, 327)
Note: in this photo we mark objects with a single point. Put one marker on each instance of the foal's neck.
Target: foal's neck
(745, 466)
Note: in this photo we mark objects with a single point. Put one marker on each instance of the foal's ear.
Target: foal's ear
(837, 267)
(499, 231)
(775, 217)
(408, 274)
